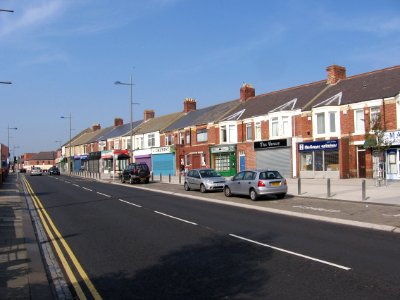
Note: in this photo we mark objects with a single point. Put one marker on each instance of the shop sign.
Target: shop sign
(222, 149)
(162, 150)
(392, 138)
(102, 143)
(319, 145)
(271, 144)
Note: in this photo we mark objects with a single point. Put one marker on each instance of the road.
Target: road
(137, 244)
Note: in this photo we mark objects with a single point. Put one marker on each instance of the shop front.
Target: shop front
(223, 159)
(114, 161)
(163, 160)
(392, 155)
(143, 156)
(93, 164)
(319, 159)
(80, 162)
(275, 155)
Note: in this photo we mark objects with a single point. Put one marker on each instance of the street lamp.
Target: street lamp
(70, 118)
(6, 82)
(7, 10)
(131, 103)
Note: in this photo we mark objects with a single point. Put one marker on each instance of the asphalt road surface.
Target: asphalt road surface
(136, 244)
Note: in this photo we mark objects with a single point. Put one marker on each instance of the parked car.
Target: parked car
(54, 171)
(22, 170)
(135, 173)
(257, 183)
(203, 180)
(36, 171)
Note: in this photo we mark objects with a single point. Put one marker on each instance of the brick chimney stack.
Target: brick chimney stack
(96, 127)
(148, 114)
(247, 91)
(189, 105)
(335, 73)
(118, 122)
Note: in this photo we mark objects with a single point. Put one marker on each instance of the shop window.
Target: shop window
(359, 120)
(392, 164)
(319, 161)
(222, 163)
(331, 160)
(249, 132)
(202, 135)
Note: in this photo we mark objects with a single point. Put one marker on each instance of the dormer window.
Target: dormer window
(326, 123)
(280, 126)
(228, 133)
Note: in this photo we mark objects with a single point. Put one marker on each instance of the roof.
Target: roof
(374, 85)
(158, 124)
(122, 130)
(45, 155)
(203, 116)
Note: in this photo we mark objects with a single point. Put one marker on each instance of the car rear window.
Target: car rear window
(270, 175)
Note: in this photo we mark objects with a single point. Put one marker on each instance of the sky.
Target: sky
(63, 56)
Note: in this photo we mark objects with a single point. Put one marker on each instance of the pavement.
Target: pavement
(356, 202)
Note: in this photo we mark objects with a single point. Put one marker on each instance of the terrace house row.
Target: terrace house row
(316, 130)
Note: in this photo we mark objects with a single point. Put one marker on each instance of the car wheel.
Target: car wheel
(227, 192)
(186, 187)
(202, 188)
(147, 180)
(253, 195)
(281, 196)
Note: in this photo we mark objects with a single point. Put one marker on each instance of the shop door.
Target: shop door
(242, 163)
(361, 164)
(275, 159)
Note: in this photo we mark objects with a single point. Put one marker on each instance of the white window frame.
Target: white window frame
(201, 137)
(231, 132)
(151, 140)
(280, 125)
(249, 131)
(257, 131)
(359, 116)
(327, 113)
(377, 111)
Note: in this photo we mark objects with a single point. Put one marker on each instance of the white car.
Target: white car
(36, 171)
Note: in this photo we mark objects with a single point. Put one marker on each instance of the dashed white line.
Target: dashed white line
(104, 194)
(76, 185)
(67, 181)
(87, 189)
(179, 219)
(130, 203)
(292, 253)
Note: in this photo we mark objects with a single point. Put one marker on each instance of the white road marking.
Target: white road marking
(103, 194)
(293, 253)
(179, 219)
(386, 215)
(67, 181)
(129, 203)
(317, 208)
(87, 189)
(76, 185)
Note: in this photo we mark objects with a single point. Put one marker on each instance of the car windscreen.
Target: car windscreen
(209, 173)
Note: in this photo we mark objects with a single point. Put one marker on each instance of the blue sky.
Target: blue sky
(64, 56)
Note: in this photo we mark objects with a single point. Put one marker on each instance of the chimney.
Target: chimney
(148, 114)
(118, 122)
(189, 105)
(96, 127)
(246, 91)
(335, 73)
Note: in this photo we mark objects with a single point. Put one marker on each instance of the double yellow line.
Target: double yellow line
(50, 229)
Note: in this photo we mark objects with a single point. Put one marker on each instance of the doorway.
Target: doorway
(361, 163)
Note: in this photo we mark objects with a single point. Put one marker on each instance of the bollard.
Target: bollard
(298, 186)
(152, 176)
(328, 182)
(160, 177)
(179, 177)
(169, 178)
(363, 189)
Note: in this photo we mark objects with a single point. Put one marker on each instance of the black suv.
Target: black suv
(54, 171)
(135, 173)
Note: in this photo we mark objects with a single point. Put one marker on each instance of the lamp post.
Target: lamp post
(6, 82)
(6, 10)
(130, 103)
(8, 136)
(70, 129)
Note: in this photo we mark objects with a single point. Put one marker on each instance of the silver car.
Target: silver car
(256, 183)
(36, 171)
(204, 180)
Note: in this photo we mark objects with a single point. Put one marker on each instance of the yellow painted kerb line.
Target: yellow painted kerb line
(43, 216)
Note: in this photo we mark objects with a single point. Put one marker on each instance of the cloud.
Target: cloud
(30, 17)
